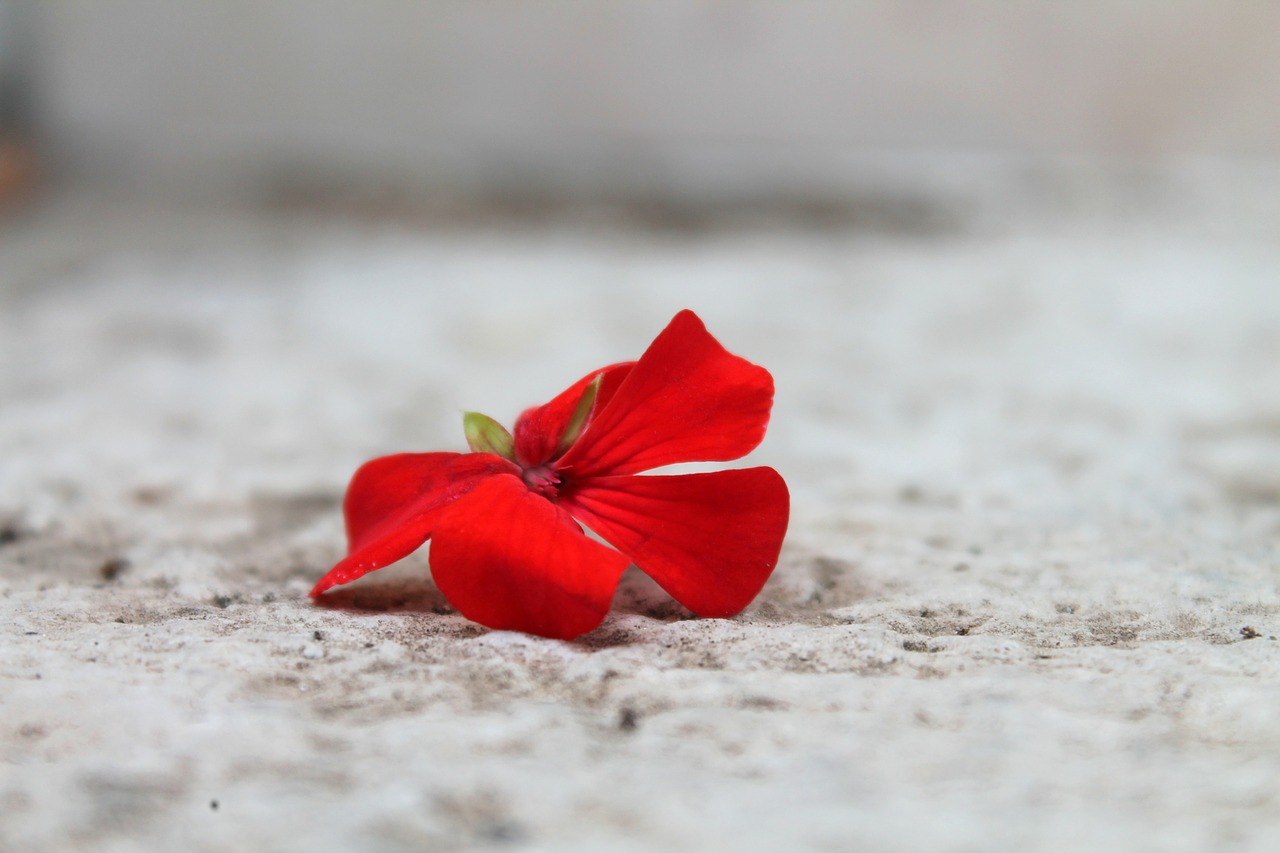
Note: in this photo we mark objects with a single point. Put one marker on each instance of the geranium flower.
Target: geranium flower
(507, 548)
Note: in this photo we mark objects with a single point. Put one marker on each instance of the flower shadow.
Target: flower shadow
(639, 595)
(416, 595)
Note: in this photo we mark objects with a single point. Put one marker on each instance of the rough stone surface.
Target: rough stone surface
(1028, 599)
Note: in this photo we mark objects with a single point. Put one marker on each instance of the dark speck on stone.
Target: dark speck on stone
(111, 569)
(628, 719)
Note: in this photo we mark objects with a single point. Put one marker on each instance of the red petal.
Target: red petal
(512, 560)
(686, 400)
(393, 502)
(539, 429)
(711, 540)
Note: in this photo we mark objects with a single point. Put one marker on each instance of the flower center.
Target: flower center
(543, 480)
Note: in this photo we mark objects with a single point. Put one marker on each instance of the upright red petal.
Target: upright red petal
(393, 502)
(711, 540)
(538, 430)
(686, 400)
(512, 560)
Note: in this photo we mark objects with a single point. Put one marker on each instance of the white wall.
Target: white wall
(716, 97)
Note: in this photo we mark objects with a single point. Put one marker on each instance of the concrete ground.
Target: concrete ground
(1028, 598)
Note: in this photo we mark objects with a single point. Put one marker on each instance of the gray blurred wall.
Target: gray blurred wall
(711, 98)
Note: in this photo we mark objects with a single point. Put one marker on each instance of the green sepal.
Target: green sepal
(581, 413)
(485, 435)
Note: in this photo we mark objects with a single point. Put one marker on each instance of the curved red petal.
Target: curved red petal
(711, 540)
(686, 400)
(393, 502)
(512, 560)
(539, 429)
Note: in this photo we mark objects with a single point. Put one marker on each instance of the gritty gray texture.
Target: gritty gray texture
(1027, 600)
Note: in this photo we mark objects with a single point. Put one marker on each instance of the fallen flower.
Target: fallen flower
(507, 548)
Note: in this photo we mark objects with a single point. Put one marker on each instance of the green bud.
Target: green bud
(485, 435)
(581, 412)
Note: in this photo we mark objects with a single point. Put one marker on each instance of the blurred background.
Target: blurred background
(822, 104)
(364, 211)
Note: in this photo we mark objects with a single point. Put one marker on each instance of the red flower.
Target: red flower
(507, 550)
